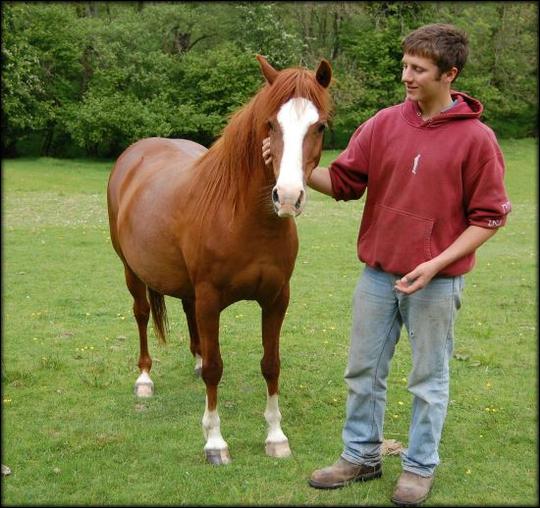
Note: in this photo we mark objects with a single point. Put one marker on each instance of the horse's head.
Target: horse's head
(297, 115)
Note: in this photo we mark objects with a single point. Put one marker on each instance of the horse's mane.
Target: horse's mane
(225, 170)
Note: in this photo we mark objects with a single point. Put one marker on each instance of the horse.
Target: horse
(215, 226)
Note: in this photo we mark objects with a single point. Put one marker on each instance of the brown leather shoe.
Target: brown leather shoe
(411, 489)
(341, 473)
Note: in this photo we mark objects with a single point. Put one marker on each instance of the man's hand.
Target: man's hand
(267, 156)
(467, 242)
(417, 279)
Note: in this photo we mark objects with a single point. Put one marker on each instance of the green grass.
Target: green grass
(74, 434)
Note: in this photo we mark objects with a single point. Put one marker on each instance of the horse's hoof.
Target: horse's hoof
(279, 450)
(144, 390)
(218, 457)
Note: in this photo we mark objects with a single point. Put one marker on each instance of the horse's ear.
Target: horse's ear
(324, 73)
(268, 71)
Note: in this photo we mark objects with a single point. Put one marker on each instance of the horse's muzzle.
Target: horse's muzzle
(288, 204)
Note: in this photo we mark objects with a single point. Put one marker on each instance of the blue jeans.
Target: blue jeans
(379, 312)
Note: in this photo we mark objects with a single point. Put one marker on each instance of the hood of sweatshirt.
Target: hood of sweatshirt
(466, 107)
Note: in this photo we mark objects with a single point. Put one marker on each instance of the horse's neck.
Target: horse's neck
(232, 180)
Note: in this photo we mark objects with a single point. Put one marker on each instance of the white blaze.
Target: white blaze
(294, 117)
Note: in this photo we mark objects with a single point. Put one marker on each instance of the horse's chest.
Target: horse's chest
(249, 278)
(256, 280)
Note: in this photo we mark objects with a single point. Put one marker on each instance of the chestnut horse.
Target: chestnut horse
(212, 227)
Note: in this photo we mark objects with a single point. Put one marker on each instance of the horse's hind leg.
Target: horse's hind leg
(194, 343)
(276, 444)
(144, 387)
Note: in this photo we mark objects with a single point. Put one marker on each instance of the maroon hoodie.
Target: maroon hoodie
(427, 182)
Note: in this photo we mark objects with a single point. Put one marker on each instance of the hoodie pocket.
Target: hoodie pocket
(396, 240)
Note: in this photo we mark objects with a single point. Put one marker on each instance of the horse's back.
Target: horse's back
(148, 183)
(156, 154)
(146, 159)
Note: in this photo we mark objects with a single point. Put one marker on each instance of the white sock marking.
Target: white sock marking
(212, 431)
(272, 416)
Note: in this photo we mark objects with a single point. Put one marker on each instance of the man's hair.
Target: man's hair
(446, 45)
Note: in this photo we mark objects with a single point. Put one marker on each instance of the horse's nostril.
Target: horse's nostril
(275, 197)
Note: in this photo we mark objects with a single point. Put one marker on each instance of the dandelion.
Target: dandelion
(400, 403)
(468, 471)
(6, 400)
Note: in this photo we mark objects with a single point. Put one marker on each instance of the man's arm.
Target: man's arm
(320, 180)
(472, 238)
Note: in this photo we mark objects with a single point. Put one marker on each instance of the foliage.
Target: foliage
(92, 77)
(73, 434)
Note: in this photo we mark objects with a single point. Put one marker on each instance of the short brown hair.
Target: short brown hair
(446, 45)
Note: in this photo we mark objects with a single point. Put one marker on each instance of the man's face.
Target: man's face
(423, 80)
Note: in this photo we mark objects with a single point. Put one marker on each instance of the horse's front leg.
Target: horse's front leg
(207, 312)
(194, 343)
(277, 444)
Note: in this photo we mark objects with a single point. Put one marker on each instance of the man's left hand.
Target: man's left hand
(417, 279)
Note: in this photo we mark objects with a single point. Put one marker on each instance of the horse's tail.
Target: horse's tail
(159, 314)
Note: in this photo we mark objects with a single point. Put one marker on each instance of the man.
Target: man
(435, 193)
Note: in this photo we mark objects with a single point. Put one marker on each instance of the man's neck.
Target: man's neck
(433, 108)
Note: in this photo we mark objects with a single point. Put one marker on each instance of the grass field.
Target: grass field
(74, 434)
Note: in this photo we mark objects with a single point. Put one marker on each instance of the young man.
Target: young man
(435, 193)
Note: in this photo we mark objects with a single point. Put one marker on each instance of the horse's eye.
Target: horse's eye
(321, 127)
(270, 126)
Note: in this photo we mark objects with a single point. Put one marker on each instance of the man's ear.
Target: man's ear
(451, 75)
